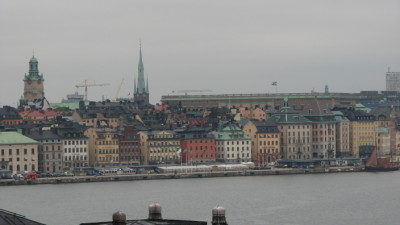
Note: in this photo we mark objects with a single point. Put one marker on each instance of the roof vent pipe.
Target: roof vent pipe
(155, 211)
(119, 218)
(218, 216)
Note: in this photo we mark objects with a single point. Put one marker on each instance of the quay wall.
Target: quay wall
(159, 176)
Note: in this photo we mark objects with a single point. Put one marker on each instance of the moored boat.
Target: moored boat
(376, 163)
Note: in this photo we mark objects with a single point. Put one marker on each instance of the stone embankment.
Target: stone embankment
(158, 176)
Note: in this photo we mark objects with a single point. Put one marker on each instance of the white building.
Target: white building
(232, 145)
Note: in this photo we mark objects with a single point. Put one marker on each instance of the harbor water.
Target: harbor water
(310, 199)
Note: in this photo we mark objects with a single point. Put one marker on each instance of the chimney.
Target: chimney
(218, 216)
(155, 211)
(119, 218)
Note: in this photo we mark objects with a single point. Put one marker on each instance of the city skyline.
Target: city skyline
(185, 45)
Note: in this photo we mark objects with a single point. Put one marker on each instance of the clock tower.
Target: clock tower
(33, 82)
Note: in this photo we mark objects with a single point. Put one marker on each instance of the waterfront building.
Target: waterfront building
(363, 132)
(233, 145)
(141, 87)
(129, 146)
(385, 116)
(323, 129)
(50, 158)
(33, 82)
(342, 135)
(160, 147)
(296, 133)
(75, 144)
(9, 116)
(197, 145)
(393, 81)
(265, 141)
(17, 152)
(383, 141)
(103, 146)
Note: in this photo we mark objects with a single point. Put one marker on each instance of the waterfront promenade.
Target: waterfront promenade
(160, 176)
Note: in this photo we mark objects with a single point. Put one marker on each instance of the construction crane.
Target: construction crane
(119, 89)
(190, 91)
(86, 85)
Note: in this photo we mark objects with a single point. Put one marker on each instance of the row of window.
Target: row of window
(232, 142)
(75, 157)
(162, 143)
(200, 141)
(271, 150)
(17, 151)
(75, 150)
(162, 158)
(107, 143)
(269, 143)
(80, 142)
(234, 156)
(201, 148)
(107, 151)
(25, 168)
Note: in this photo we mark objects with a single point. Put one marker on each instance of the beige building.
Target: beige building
(383, 141)
(160, 147)
(296, 133)
(17, 152)
(265, 141)
(342, 135)
(96, 119)
(103, 146)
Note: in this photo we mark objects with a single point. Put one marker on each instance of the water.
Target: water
(312, 199)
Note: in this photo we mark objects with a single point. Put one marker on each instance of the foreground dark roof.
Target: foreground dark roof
(153, 222)
(11, 218)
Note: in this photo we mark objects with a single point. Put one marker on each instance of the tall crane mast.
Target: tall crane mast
(119, 89)
(190, 91)
(86, 85)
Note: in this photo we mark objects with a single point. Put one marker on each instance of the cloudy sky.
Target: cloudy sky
(226, 46)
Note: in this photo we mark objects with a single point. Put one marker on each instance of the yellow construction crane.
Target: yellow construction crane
(86, 85)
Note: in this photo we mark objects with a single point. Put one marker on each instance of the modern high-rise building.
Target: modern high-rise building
(141, 87)
(392, 81)
(33, 82)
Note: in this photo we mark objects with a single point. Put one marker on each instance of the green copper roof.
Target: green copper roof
(12, 137)
(70, 105)
(254, 96)
(33, 59)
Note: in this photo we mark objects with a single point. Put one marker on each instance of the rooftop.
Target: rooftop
(12, 137)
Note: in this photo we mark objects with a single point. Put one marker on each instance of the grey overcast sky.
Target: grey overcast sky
(227, 46)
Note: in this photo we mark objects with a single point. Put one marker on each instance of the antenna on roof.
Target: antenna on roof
(388, 69)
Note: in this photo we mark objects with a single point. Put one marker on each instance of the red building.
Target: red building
(129, 146)
(197, 146)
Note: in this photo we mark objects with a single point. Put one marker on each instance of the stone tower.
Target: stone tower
(33, 82)
(141, 90)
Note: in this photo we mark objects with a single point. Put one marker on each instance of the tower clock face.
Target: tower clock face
(29, 81)
(39, 81)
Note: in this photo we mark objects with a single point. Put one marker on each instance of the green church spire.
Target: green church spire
(141, 86)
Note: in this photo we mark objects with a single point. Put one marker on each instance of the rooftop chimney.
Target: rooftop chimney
(155, 211)
(218, 216)
(119, 218)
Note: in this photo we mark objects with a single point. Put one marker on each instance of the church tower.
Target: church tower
(141, 88)
(33, 82)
